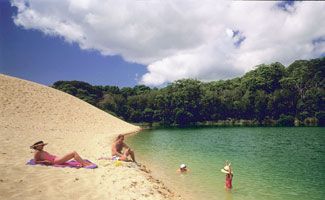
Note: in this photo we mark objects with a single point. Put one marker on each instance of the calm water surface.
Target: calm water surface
(269, 163)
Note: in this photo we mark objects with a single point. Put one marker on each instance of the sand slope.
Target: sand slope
(30, 112)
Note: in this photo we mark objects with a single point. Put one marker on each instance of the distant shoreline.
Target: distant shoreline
(231, 123)
(268, 95)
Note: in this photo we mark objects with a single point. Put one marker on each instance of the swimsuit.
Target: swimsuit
(49, 157)
(229, 181)
(115, 157)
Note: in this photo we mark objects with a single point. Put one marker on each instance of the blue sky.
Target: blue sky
(31, 55)
(127, 42)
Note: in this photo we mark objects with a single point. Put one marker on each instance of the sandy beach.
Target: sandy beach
(30, 112)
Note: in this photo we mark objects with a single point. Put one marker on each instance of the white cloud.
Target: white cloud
(207, 40)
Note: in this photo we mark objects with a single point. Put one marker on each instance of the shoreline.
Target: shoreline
(154, 172)
(162, 188)
(152, 175)
(33, 112)
(158, 174)
(158, 184)
(165, 150)
(221, 123)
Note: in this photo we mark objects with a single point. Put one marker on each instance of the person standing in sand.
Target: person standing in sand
(43, 157)
(117, 148)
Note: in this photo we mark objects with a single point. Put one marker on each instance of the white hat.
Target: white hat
(182, 166)
(226, 169)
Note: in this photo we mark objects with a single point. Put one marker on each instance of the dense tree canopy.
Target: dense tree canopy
(268, 95)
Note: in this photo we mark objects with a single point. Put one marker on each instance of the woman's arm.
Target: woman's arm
(38, 160)
(37, 156)
(126, 146)
(45, 162)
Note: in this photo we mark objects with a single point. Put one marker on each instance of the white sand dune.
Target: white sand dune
(30, 112)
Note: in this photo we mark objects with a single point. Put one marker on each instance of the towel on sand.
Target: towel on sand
(71, 163)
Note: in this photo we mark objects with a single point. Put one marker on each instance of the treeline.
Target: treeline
(268, 95)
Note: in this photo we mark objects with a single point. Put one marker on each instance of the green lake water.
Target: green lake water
(268, 162)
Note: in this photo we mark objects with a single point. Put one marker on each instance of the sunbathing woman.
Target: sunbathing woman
(43, 157)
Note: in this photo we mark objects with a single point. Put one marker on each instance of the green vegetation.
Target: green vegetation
(268, 95)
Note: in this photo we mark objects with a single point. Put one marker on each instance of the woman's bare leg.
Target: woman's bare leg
(68, 157)
(123, 158)
(131, 153)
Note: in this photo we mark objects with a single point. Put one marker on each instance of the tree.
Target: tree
(321, 118)
(286, 120)
(148, 115)
(186, 97)
(267, 93)
(80, 89)
(264, 77)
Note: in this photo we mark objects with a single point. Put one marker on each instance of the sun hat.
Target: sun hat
(226, 169)
(182, 166)
(39, 143)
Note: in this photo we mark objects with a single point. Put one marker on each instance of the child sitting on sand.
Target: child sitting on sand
(43, 157)
(229, 175)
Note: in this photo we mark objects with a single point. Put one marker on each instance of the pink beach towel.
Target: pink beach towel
(71, 164)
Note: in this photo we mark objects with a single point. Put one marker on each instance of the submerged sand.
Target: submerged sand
(30, 112)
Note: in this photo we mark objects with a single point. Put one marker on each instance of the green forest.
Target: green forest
(269, 95)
